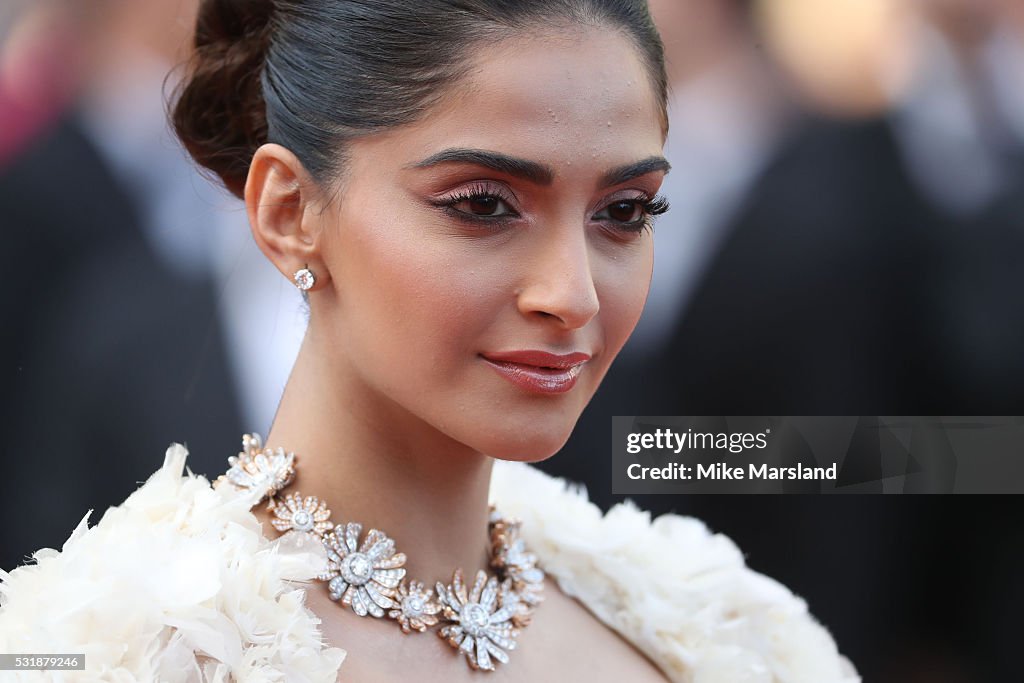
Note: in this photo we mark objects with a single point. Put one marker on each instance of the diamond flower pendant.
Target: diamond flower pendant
(265, 471)
(477, 626)
(364, 577)
(417, 607)
(296, 514)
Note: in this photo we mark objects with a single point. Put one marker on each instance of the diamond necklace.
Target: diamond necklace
(481, 621)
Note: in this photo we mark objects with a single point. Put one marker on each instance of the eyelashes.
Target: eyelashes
(482, 195)
(495, 209)
(653, 207)
(656, 206)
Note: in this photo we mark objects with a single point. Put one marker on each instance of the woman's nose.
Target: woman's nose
(558, 280)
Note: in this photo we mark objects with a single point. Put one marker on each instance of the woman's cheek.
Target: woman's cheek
(622, 284)
(436, 301)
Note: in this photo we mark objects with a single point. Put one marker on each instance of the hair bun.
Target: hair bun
(219, 112)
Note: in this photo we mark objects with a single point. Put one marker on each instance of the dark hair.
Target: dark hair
(312, 75)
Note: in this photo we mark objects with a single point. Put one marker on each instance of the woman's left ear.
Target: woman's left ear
(280, 202)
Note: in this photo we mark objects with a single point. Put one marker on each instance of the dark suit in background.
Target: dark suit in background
(107, 357)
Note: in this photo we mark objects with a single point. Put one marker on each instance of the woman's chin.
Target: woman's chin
(527, 446)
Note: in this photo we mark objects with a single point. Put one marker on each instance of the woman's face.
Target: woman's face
(508, 219)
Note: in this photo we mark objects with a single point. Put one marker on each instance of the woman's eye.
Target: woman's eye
(634, 215)
(626, 211)
(485, 206)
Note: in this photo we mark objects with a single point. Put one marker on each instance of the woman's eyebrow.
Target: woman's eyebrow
(520, 168)
(636, 169)
(536, 172)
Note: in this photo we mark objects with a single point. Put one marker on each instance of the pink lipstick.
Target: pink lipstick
(538, 371)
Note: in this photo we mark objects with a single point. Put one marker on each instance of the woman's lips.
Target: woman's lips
(538, 371)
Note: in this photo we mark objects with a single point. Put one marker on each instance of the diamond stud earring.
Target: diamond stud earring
(304, 279)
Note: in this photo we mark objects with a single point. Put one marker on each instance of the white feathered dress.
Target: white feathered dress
(178, 584)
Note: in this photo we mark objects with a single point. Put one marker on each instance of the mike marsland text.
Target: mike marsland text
(721, 471)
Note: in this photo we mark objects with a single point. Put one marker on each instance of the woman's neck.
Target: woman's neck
(376, 464)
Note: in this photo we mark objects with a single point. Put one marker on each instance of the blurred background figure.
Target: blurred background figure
(944, 77)
(960, 122)
(37, 73)
(139, 309)
(844, 240)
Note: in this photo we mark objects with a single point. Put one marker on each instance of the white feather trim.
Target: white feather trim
(178, 584)
(680, 594)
